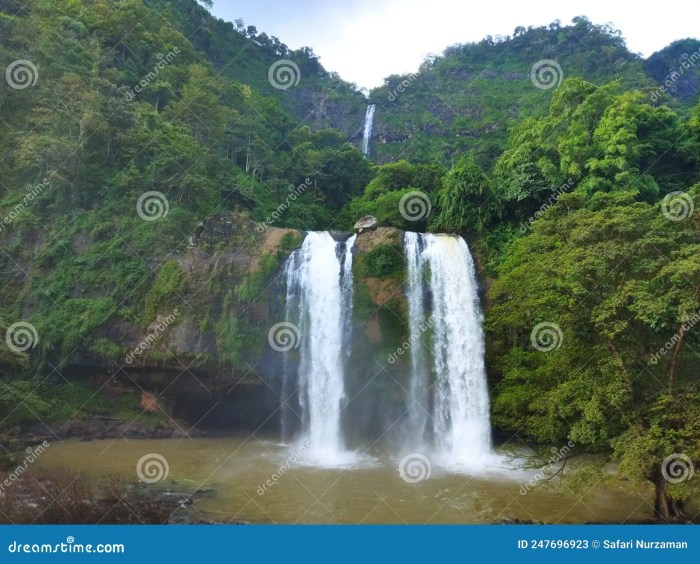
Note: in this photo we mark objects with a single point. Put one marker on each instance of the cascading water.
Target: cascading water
(367, 134)
(460, 408)
(418, 384)
(319, 303)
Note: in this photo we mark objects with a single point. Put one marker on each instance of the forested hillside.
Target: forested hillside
(572, 166)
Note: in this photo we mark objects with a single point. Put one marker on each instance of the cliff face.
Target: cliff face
(200, 351)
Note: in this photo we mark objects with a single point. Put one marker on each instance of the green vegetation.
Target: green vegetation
(383, 261)
(584, 199)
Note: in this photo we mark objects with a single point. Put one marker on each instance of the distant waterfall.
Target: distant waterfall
(367, 134)
(460, 405)
(319, 303)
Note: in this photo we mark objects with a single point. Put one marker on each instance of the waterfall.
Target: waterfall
(460, 406)
(367, 135)
(418, 383)
(319, 304)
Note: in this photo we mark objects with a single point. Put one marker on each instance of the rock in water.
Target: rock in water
(366, 223)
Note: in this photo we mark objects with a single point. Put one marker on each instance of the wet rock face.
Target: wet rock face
(366, 223)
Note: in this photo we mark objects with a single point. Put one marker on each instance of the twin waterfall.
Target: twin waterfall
(446, 411)
(460, 408)
(319, 304)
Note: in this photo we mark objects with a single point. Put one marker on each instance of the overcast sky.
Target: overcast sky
(367, 40)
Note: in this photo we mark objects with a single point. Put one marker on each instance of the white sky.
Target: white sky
(367, 40)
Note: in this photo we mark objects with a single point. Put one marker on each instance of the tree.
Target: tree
(466, 201)
(608, 281)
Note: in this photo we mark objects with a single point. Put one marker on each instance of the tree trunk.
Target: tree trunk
(666, 509)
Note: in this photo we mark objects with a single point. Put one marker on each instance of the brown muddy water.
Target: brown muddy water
(259, 481)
